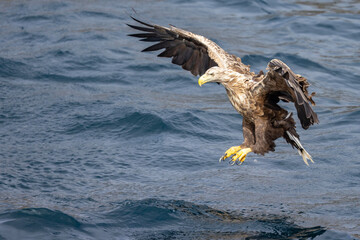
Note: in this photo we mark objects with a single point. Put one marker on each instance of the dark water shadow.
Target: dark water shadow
(155, 219)
(173, 219)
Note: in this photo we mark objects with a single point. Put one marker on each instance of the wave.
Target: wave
(37, 219)
(32, 218)
(99, 14)
(173, 219)
(39, 223)
(10, 69)
(130, 122)
(155, 219)
(15, 69)
(124, 122)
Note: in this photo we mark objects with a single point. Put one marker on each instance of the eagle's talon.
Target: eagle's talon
(231, 151)
(239, 162)
(240, 156)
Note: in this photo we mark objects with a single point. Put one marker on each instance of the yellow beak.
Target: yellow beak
(203, 79)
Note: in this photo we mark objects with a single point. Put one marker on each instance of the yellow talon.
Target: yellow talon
(230, 152)
(240, 156)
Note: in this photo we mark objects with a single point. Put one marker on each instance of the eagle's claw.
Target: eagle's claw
(240, 156)
(229, 152)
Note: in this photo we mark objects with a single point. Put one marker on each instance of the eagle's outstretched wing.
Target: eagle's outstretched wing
(193, 52)
(296, 91)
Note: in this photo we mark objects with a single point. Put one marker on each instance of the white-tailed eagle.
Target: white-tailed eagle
(254, 96)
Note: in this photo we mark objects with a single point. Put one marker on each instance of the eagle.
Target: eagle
(254, 96)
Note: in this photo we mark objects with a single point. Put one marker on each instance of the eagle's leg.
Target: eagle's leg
(265, 135)
(242, 150)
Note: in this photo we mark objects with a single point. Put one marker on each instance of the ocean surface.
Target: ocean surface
(101, 141)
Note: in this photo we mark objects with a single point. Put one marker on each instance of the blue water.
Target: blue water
(101, 141)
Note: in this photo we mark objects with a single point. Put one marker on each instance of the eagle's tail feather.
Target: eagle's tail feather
(297, 144)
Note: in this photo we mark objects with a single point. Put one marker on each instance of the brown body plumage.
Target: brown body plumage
(255, 97)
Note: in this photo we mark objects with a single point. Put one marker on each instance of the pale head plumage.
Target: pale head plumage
(226, 77)
(214, 74)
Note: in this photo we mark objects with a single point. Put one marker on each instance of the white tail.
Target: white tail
(302, 152)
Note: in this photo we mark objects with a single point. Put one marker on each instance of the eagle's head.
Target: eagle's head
(216, 74)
